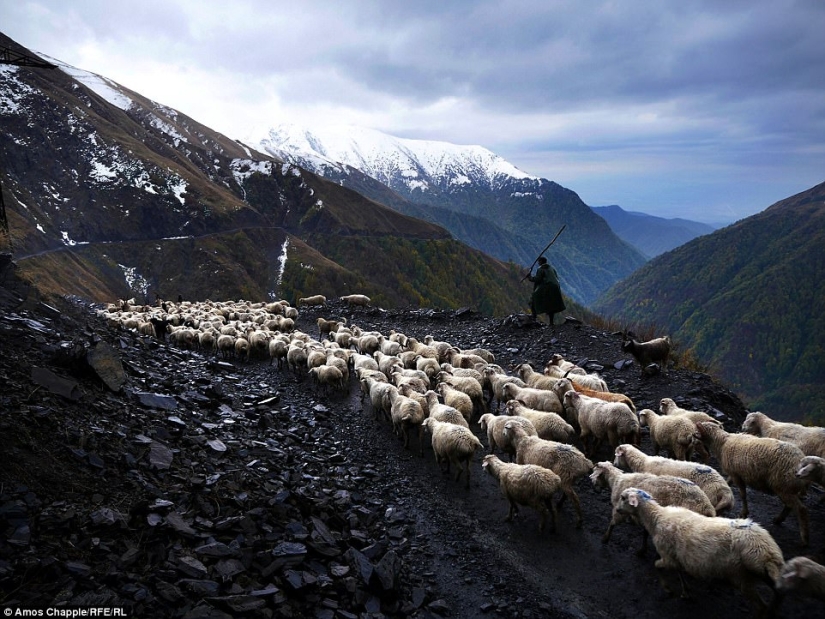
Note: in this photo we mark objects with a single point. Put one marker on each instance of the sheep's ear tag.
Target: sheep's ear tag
(644, 496)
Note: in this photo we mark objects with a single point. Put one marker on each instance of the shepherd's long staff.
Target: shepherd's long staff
(542, 252)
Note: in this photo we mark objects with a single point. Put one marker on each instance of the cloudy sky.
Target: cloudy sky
(710, 110)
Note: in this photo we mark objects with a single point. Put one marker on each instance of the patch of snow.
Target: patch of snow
(282, 261)
(39, 227)
(179, 189)
(104, 87)
(66, 240)
(135, 281)
(12, 90)
(101, 172)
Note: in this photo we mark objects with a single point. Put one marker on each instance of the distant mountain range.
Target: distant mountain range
(649, 234)
(748, 300)
(111, 195)
(479, 197)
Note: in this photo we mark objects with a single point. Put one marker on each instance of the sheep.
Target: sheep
(485, 354)
(363, 361)
(327, 326)
(676, 434)
(525, 484)
(468, 385)
(802, 575)
(540, 399)
(453, 444)
(463, 360)
(549, 426)
(278, 348)
(707, 478)
(380, 393)
(562, 366)
(242, 348)
(360, 300)
(811, 440)
(494, 426)
(601, 420)
(386, 363)
(406, 413)
(315, 300)
(366, 344)
(564, 460)
(226, 345)
(533, 379)
(327, 376)
(427, 365)
(559, 368)
(400, 376)
(443, 412)
(666, 489)
(463, 372)
(496, 383)
(646, 353)
(563, 385)
(812, 468)
(410, 392)
(457, 399)
(441, 348)
(765, 464)
(739, 551)
(668, 407)
(296, 356)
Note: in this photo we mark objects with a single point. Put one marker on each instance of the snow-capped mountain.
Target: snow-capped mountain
(405, 165)
(481, 198)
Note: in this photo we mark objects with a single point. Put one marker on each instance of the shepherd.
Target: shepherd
(546, 298)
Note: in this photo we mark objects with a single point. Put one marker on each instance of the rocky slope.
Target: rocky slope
(204, 488)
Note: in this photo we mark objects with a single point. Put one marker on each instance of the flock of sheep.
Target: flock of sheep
(435, 388)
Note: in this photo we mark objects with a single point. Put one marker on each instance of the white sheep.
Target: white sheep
(676, 434)
(457, 399)
(804, 576)
(493, 425)
(380, 393)
(563, 385)
(525, 484)
(765, 464)
(314, 300)
(666, 489)
(406, 414)
(535, 380)
(494, 382)
(706, 477)
(668, 407)
(360, 300)
(452, 444)
(442, 412)
(539, 399)
(739, 551)
(549, 426)
(564, 460)
(468, 385)
(646, 353)
(602, 420)
(328, 376)
(812, 468)
(810, 439)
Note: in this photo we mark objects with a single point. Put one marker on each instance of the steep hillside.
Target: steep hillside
(649, 234)
(748, 300)
(110, 194)
(478, 196)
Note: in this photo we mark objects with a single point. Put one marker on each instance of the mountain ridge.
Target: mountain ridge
(745, 300)
(96, 189)
(650, 234)
(514, 214)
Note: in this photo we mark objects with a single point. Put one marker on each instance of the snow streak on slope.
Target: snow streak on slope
(415, 163)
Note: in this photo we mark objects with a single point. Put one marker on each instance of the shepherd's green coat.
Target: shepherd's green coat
(546, 297)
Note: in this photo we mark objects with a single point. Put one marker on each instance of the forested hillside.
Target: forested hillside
(747, 299)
